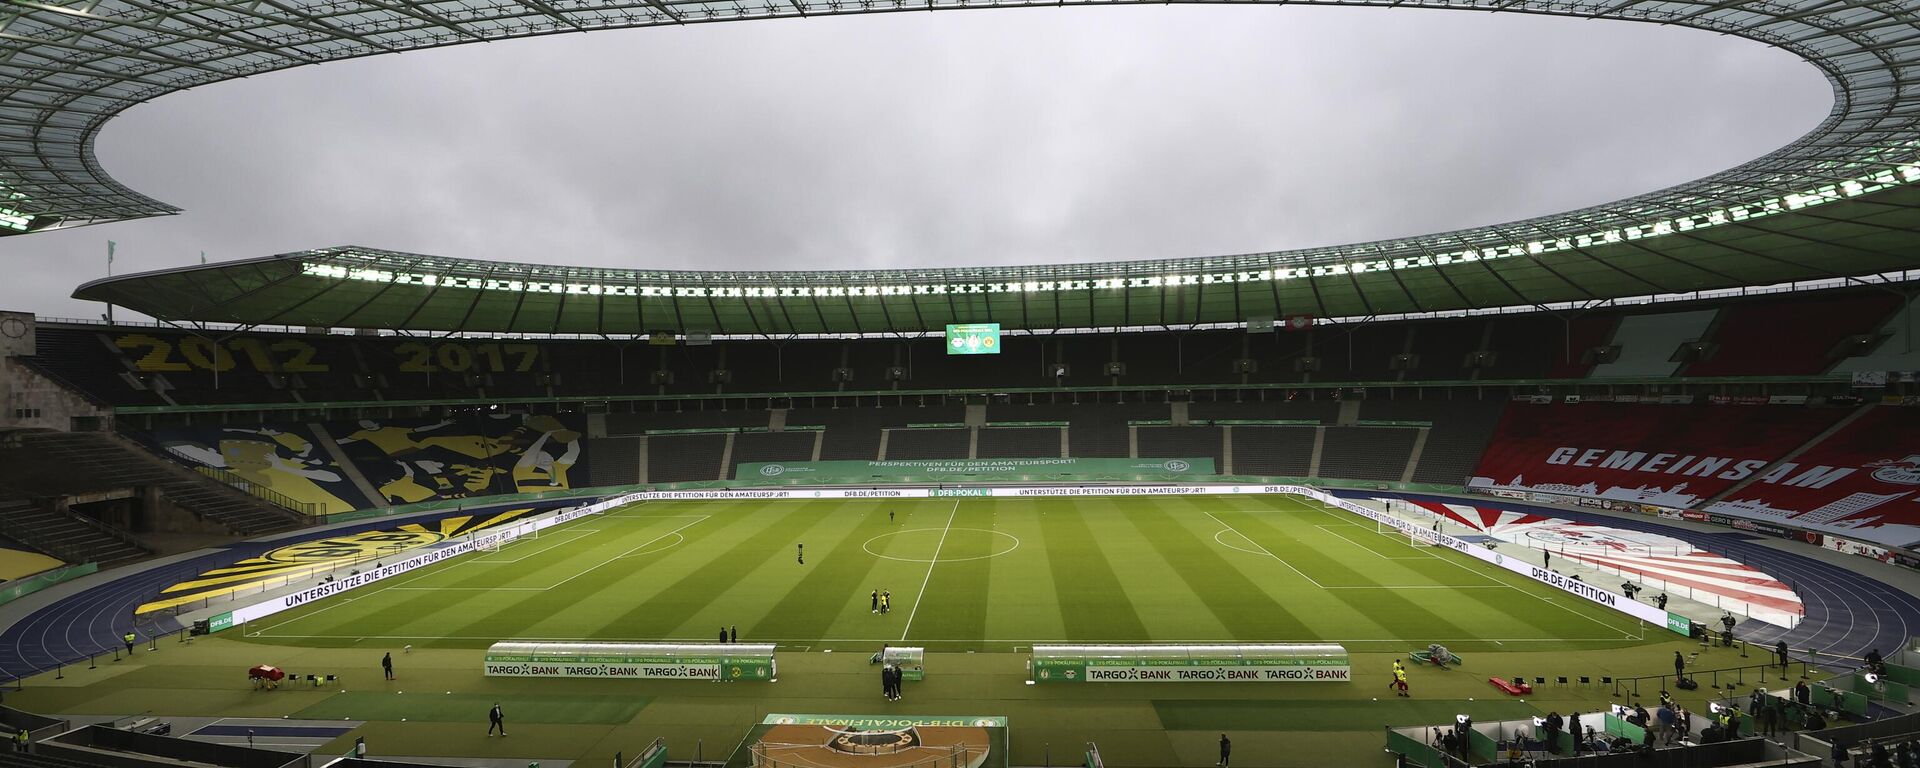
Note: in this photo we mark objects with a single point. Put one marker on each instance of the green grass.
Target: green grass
(1008, 573)
(1282, 715)
(449, 707)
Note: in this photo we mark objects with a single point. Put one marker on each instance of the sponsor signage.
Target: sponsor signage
(1201, 673)
(1308, 663)
(653, 671)
(888, 722)
(1860, 548)
(747, 662)
(661, 669)
(1767, 528)
(822, 472)
(220, 622)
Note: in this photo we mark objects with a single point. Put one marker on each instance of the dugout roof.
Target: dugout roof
(1837, 202)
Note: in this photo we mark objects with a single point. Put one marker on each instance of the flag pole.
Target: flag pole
(110, 246)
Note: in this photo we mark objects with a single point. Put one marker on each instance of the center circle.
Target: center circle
(927, 540)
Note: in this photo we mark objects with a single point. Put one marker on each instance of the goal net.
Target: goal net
(1421, 534)
(487, 542)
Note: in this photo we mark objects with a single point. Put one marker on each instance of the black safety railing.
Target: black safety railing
(1801, 663)
(151, 638)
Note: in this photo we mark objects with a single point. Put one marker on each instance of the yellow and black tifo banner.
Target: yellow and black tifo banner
(297, 561)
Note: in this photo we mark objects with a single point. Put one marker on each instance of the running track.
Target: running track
(92, 621)
(1848, 613)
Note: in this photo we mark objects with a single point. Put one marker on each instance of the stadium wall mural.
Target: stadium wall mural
(414, 460)
(1862, 481)
(1673, 456)
(402, 461)
(287, 459)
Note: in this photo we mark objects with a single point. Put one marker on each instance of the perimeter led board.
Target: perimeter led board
(973, 339)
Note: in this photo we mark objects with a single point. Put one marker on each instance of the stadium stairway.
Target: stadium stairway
(102, 454)
(65, 535)
(1847, 614)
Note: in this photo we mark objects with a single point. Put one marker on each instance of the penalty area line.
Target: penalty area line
(1263, 549)
(650, 542)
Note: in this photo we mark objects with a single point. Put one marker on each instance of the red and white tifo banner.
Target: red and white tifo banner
(1869, 489)
(1862, 482)
(1671, 456)
(1660, 562)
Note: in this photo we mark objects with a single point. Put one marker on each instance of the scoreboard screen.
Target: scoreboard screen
(973, 339)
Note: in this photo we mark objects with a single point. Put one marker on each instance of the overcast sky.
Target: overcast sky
(922, 139)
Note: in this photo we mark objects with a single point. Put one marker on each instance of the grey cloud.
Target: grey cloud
(918, 140)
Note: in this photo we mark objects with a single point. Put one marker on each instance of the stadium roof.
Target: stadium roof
(1839, 201)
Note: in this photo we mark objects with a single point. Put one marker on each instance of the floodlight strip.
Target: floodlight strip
(1885, 178)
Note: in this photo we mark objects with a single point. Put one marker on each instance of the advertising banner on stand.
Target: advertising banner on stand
(745, 662)
(1311, 663)
(976, 470)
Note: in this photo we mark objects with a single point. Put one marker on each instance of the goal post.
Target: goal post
(487, 540)
(1414, 539)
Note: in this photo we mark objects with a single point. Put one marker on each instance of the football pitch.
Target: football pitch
(969, 574)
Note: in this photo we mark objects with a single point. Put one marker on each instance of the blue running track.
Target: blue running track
(92, 622)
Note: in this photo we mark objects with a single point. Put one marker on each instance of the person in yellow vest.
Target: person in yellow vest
(130, 639)
(1398, 671)
(1400, 681)
(21, 741)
